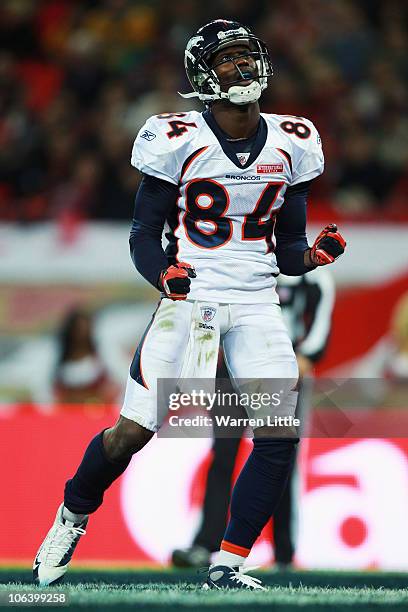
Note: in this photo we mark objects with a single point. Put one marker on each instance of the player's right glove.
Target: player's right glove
(175, 280)
(328, 246)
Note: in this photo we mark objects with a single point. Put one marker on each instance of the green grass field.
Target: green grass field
(171, 590)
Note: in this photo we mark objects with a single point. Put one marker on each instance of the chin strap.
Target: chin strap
(244, 95)
(236, 94)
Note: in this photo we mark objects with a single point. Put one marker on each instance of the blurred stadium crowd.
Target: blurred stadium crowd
(78, 79)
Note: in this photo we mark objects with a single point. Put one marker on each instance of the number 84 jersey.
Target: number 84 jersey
(224, 218)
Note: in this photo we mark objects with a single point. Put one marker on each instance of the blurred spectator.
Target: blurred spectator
(397, 366)
(80, 376)
(78, 79)
(163, 98)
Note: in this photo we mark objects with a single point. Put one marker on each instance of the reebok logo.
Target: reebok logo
(148, 135)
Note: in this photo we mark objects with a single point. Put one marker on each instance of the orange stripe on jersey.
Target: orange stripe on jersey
(286, 156)
(190, 160)
(235, 549)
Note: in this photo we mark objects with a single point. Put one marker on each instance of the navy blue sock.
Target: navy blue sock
(257, 491)
(84, 492)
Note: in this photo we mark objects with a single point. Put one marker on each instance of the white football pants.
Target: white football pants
(255, 341)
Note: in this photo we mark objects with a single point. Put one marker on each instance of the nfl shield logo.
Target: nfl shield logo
(243, 158)
(208, 313)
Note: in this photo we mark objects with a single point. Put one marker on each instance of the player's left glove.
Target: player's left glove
(328, 246)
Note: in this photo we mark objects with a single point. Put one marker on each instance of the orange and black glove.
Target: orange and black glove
(328, 246)
(174, 281)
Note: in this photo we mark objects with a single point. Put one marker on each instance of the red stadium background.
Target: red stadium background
(351, 513)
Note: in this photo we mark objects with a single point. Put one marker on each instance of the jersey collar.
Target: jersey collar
(226, 146)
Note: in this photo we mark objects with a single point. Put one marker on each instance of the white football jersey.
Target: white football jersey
(225, 214)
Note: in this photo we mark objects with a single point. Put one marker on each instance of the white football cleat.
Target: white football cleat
(54, 554)
(225, 577)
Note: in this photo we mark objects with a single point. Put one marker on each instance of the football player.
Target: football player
(232, 184)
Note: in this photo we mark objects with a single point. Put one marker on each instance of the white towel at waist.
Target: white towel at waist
(201, 356)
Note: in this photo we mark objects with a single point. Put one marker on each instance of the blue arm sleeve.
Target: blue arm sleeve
(155, 200)
(290, 231)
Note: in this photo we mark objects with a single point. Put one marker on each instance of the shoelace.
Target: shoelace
(241, 577)
(62, 540)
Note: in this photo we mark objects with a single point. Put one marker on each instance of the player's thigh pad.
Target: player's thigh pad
(260, 356)
(160, 354)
